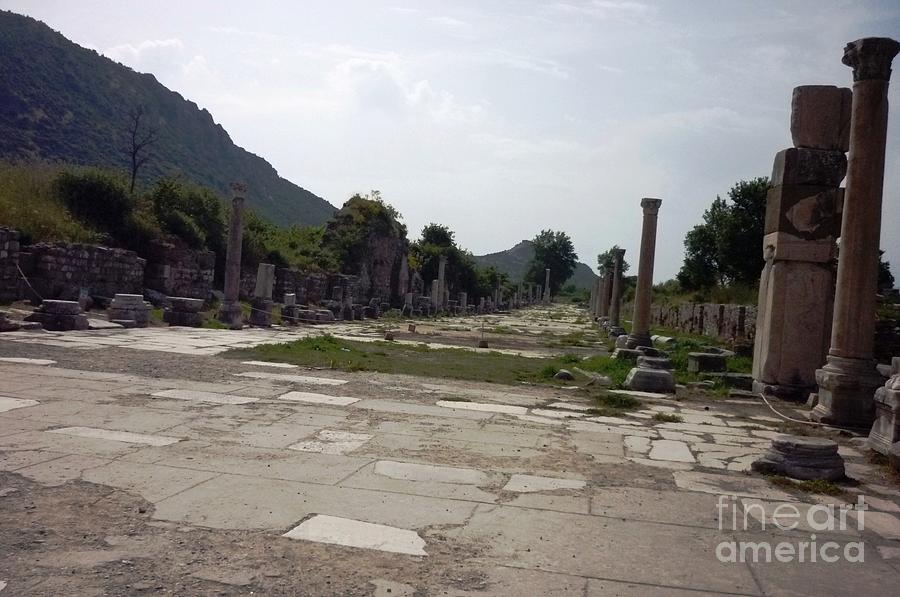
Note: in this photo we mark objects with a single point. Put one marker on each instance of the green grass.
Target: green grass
(616, 370)
(387, 357)
(820, 486)
(668, 418)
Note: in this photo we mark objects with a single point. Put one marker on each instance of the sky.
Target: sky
(498, 118)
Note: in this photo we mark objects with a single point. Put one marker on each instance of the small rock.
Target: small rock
(564, 375)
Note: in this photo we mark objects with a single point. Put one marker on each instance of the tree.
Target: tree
(140, 138)
(726, 248)
(885, 277)
(553, 250)
(606, 261)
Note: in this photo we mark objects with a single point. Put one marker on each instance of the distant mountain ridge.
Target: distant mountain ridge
(514, 263)
(62, 102)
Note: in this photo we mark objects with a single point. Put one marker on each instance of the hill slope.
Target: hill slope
(59, 101)
(514, 262)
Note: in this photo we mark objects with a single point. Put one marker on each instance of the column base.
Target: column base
(232, 315)
(886, 429)
(846, 392)
(635, 340)
(783, 391)
(261, 315)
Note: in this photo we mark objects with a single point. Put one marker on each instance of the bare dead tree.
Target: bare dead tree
(141, 136)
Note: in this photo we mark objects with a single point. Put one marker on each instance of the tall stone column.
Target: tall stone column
(230, 313)
(442, 287)
(547, 285)
(848, 380)
(640, 326)
(605, 293)
(615, 299)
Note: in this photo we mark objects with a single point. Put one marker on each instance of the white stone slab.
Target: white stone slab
(886, 525)
(23, 361)
(313, 398)
(533, 483)
(301, 379)
(636, 443)
(355, 533)
(12, 403)
(739, 486)
(117, 436)
(556, 414)
(330, 441)
(542, 420)
(671, 451)
(267, 364)
(198, 396)
(407, 471)
(487, 407)
(637, 394)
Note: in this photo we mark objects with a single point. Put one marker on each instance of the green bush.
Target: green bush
(95, 197)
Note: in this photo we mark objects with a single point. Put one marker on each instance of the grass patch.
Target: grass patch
(808, 486)
(668, 418)
(388, 357)
(616, 370)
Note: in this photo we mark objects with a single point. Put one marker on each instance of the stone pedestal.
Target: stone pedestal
(130, 308)
(706, 361)
(230, 313)
(646, 379)
(261, 305)
(848, 381)
(60, 316)
(640, 325)
(183, 311)
(886, 429)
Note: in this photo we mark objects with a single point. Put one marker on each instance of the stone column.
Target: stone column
(442, 268)
(796, 288)
(547, 285)
(605, 293)
(230, 312)
(261, 313)
(640, 326)
(614, 302)
(848, 380)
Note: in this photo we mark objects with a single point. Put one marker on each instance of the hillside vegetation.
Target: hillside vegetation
(61, 102)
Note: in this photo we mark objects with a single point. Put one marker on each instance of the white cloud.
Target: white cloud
(133, 53)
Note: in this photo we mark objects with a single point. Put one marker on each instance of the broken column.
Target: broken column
(463, 303)
(230, 314)
(796, 289)
(547, 285)
(848, 380)
(640, 326)
(261, 305)
(442, 286)
(615, 328)
(605, 294)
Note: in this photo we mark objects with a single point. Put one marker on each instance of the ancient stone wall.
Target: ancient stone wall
(723, 322)
(179, 271)
(59, 271)
(10, 280)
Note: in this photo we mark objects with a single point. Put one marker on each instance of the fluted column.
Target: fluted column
(640, 326)
(848, 380)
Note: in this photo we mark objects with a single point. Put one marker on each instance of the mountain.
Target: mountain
(514, 263)
(62, 102)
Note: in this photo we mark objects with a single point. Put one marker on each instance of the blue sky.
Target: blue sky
(501, 118)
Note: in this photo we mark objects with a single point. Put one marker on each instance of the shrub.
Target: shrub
(95, 197)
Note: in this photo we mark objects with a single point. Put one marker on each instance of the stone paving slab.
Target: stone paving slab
(117, 436)
(234, 502)
(354, 533)
(153, 482)
(7, 403)
(198, 396)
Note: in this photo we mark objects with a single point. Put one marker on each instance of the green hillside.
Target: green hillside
(59, 101)
(514, 263)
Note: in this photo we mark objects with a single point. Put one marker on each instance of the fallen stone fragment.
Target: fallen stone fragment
(355, 533)
(802, 458)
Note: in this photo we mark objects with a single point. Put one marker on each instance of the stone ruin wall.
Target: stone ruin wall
(723, 322)
(10, 280)
(59, 271)
(179, 271)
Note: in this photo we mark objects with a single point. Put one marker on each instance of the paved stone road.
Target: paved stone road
(518, 486)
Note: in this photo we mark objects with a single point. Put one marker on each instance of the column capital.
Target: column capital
(651, 205)
(619, 254)
(870, 57)
(238, 188)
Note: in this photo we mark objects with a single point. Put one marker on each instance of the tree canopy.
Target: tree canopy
(553, 250)
(606, 261)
